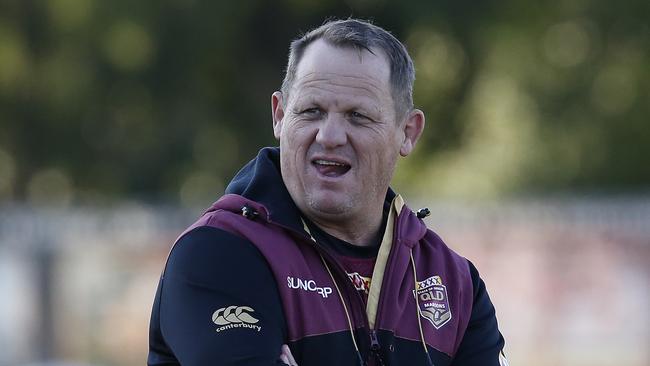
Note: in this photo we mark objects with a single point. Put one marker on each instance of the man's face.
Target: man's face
(339, 137)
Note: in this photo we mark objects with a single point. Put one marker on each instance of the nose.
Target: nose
(331, 131)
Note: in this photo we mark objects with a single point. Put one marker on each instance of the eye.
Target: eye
(359, 117)
(311, 112)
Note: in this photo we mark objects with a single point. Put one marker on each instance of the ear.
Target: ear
(413, 127)
(277, 112)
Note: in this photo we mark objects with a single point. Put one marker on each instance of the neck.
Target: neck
(361, 232)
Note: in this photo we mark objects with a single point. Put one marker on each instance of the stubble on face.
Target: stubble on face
(340, 84)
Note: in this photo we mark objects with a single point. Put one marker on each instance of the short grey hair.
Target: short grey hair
(360, 35)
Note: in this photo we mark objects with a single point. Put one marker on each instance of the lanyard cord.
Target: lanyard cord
(417, 304)
(345, 308)
(338, 291)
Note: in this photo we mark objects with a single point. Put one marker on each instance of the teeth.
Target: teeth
(327, 162)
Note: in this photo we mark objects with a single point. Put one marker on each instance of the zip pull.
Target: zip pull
(375, 347)
(374, 341)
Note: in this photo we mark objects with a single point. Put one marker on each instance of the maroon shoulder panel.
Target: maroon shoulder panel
(311, 304)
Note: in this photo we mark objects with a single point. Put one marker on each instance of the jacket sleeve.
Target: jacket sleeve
(482, 344)
(217, 304)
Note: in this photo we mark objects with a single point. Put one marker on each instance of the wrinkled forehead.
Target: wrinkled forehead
(322, 61)
(325, 83)
(346, 97)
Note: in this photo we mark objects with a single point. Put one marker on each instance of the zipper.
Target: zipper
(389, 262)
(380, 304)
(374, 342)
(375, 346)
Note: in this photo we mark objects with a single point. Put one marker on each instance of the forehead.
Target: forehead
(343, 69)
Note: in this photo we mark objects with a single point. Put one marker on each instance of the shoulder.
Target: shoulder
(457, 265)
(413, 231)
(482, 342)
(477, 282)
(447, 256)
(204, 253)
(482, 306)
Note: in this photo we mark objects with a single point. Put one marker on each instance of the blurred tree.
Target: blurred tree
(163, 101)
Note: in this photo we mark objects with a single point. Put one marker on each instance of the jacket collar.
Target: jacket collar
(260, 183)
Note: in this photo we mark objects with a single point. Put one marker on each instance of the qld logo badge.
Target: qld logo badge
(433, 301)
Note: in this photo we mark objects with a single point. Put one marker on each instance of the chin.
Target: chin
(328, 207)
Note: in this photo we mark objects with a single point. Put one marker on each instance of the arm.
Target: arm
(482, 343)
(217, 304)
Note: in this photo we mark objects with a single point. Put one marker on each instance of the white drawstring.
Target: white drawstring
(417, 304)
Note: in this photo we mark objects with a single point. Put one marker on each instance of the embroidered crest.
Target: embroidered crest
(433, 301)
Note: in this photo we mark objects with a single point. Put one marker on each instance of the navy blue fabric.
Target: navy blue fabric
(261, 181)
(210, 269)
(482, 342)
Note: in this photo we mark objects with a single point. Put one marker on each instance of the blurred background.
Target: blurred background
(120, 121)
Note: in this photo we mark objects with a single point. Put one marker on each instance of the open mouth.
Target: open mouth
(331, 168)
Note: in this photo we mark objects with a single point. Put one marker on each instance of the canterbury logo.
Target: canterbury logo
(235, 317)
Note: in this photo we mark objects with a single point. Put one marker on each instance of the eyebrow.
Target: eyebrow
(303, 101)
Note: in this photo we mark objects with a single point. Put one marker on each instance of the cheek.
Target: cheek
(294, 143)
(383, 145)
(294, 131)
(379, 157)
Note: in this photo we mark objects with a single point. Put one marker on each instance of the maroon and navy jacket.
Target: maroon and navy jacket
(248, 277)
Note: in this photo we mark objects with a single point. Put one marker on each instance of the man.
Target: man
(310, 258)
